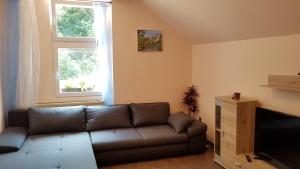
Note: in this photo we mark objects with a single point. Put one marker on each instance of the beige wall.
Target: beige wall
(223, 68)
(147, 76)
(138, 76)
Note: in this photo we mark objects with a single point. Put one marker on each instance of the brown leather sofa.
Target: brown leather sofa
(77, 137)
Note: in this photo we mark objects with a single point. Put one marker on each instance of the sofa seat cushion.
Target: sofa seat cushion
(161, 135)
(128, 138)
(12, 139)
(64, 150)
(115, 139)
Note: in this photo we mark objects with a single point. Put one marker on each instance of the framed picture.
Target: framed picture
(149, 40)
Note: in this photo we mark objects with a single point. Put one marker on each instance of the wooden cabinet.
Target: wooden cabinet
(234, 131)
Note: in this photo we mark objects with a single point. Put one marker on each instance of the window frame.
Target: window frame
(69, 42)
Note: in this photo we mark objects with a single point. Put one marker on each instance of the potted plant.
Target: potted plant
(190, 100)
(86, 87)
(70, 88)
(82, 85)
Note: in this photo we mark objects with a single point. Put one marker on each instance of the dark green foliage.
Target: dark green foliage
(86, 59)
(75, 22)
(76, 62)
(190, 99)
(68, 68)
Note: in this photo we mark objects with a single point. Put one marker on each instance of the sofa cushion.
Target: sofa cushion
(52, 151)
(161, 135)
(144, 114)
(18, 118)
(180, 121)
(12, 139)
(115, 139)
(56, 119)
(107, 117)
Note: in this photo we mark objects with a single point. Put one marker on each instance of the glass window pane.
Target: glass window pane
(74, 21)
(78, 70)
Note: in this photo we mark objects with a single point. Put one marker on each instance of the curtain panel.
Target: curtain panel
(103, 25)
(2, 41)
(19, 66)
(29, 56)
(9, 55)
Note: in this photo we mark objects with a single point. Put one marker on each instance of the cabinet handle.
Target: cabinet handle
(223, 133)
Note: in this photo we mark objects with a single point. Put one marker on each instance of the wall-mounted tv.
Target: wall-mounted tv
(277, 136)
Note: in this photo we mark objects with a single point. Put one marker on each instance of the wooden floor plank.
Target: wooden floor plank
(199, 161)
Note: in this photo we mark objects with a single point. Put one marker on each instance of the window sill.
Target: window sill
(78, 94)
(72, 39)
(70, 103)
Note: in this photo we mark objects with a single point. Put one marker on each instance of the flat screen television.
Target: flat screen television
(277, 136)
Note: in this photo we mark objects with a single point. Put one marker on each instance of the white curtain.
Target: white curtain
(1, 54)
(103, 18)
(29, 56)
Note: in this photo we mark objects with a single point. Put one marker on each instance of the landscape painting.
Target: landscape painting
(149, 40)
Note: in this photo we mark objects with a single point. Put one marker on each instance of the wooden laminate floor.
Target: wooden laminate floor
(199, 161)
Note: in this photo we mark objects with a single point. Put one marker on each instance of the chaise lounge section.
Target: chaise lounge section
(77, 137)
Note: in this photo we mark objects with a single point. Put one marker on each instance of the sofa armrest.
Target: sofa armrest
(180, 121)
(197, 128)
(12, 139)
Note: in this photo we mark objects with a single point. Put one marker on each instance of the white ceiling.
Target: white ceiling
(206, 21)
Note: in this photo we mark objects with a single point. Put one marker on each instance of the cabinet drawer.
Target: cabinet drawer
(228, 144)
(228, 160)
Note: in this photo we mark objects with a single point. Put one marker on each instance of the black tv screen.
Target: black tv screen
(277, 135)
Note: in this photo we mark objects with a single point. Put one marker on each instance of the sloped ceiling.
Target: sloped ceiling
(206, 21)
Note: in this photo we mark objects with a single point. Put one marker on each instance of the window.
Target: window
(76, 59)
(74, 20)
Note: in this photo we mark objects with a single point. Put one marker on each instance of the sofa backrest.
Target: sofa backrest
(18, 118)
(56, 119)
(144, 114)
(107, 117)
(103, 117)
